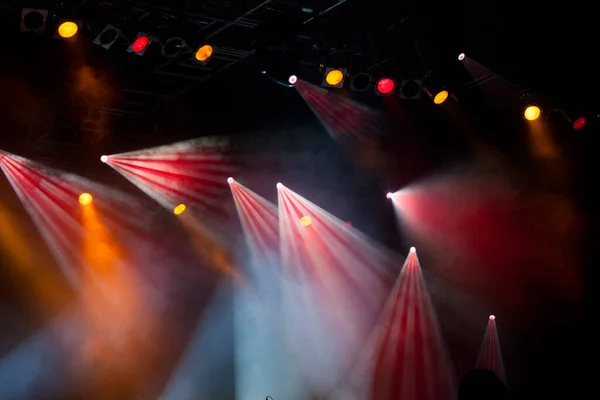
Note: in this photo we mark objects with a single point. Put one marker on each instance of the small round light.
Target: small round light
(334, 77)
(413, 250)
(306, 221)
(579, 123)
(386, 86)
(204, 53)
(389, 195)
(140, 44)
(532, 113)
(492, 317)
(179, 209)
(293, 79)
(461, 56)
(279, 186)
(104, 159)
(67, 29)
(230, 180)
(85, 199)
(440, 97)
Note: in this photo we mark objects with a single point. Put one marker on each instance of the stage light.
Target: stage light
(107, 37)
(140, 44)
(532, 113)
(411, 89)
(85, 199)
(67, 29)
(230, 180)
(385, 86)
(440, 97)
(279, 186)
(33, 20)
(306, 221)
(579, 123)
(334, 77)
(179, 209)
(173, 47)
(461, 56)
(204, 53)
(293, 79)
(361, 82)
(413, 250)
(104, 159)
(492, 317)
(389, 195)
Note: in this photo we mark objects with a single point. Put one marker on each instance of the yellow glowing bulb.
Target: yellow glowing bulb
(334, 77)
(532, 113)
(85, 199)
(204, 53)
(67, 29)
(440, 97)
(306, 220)
(179, 209)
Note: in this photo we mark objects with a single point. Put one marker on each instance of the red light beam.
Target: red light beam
(490, 355)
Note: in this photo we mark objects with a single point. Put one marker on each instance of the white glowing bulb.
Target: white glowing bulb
(492, 317)
(389, 195)
(461, 56)
(413, 250)
(292, 79)
(230, 180)
(279, 185)
(104, 158)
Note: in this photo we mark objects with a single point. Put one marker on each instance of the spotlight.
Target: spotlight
(33, 20)
(389, 195)
(104, 159)
(306, 221)
(204, 53)
(334, 77)
(492, 317)
(279, 186)
(532, 113)
(107, 37)
(413, 250)
(67, 29)
(85, 199)
(179, 209)
(385, 86)
(230, 180)
(293, 79)
(411, 89)
(579, 123)
(173, 47)
(140, 44)
(361, 82)
(461, 56)
(440, 97)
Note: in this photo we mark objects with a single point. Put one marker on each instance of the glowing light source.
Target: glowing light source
(85, 199)
(386, 86)
(104, 159)
(532, 113)
(204, 53)
(140, 44)
(440, 97)
(389, 195)
(461, 56)
(279, 185)
(334, 77)
(306, 221)
(67, 29)
(413, 250)
(179, 209)
(492, 317)
(293, 79)
(230, 180)
(579, 123)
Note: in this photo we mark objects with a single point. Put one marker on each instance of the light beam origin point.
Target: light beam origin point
(230, 180)
(413, 250)
(104, 159)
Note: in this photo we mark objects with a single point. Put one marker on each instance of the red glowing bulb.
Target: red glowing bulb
(579, 123)
(140, 44)
(386, 85)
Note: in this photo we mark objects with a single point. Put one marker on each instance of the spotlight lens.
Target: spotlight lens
(104, 159)
(492, 317)
(230, 180)
(386, 86)
(179, 209)
(389, 195)
(334, 77)
(140, 44)
(413, 250)
(293, 79)
(279, 185)
(204, 53)
(67, 29)
(461, 56)
(532, 113)
(85, 199)
(440, 97)
(579, 123)
(306, 220)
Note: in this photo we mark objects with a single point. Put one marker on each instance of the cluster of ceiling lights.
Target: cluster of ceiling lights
(36, 21)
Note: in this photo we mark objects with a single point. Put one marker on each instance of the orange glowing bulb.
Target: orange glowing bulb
(440, 97)
(179, 209)
(334, 77)
(67, 29)
(532, 113)
(85, 199)
(204, 53)
(306, 220)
